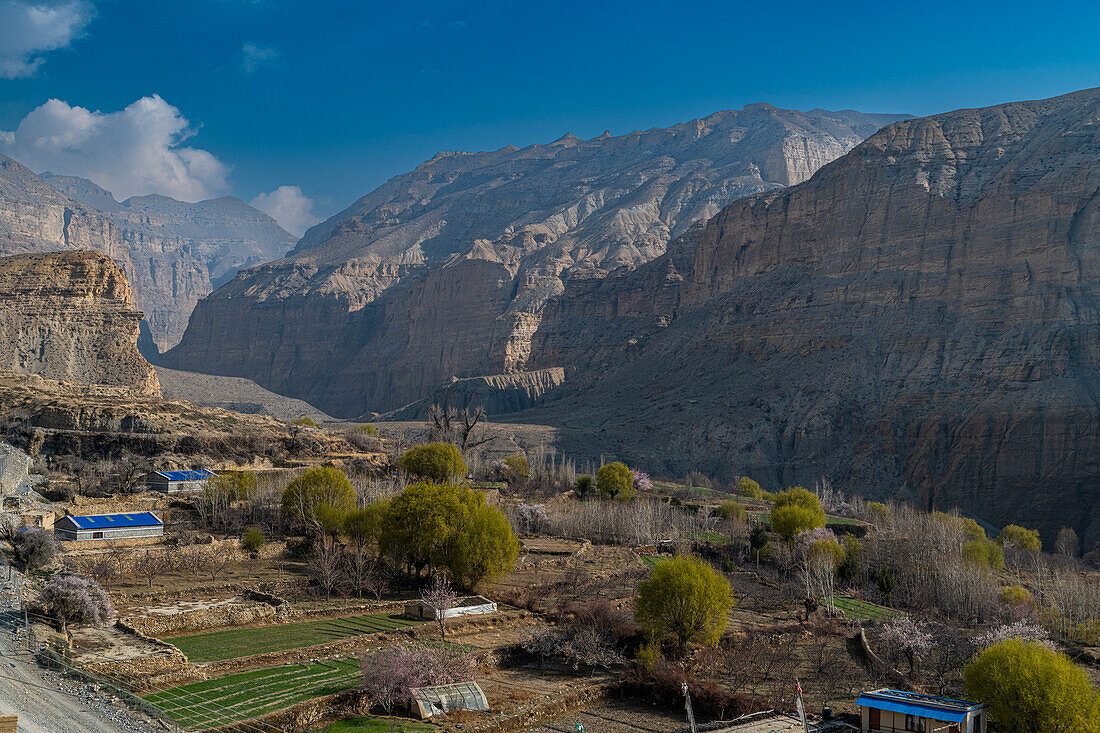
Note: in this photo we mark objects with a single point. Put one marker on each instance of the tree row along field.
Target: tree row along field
(233, 643)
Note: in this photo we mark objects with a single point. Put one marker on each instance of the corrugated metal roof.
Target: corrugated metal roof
(199, 475)
(926, 709)
(111, 521)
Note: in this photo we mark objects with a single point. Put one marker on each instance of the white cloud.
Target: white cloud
(29, 28)
(131, 152)
(288, 206)
(255, 57)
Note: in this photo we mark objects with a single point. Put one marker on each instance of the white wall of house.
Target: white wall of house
(890, 721)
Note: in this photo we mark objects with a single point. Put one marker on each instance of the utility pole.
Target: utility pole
(687, 706)
(801, 707)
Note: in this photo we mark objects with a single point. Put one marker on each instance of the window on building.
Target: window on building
(914, 723)
(97, 535)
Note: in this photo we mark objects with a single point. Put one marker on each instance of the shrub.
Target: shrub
(439, 463)
(34, 548)
(747, 487)
(583, 486)
(731, 510)
(531, 517)
(306, 422)
(789, 520)
(322, 485)
(985, 553)
(253, 539)
(1030, 687)
(76, 599)
(1016, 597)
(614, 481)
(698, 479)
(877, 511)
(367, 430)
(1016, 536)
(517, 470)
(684, 598)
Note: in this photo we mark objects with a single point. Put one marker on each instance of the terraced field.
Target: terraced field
(217, 645)
(863, 610)
(215, 703)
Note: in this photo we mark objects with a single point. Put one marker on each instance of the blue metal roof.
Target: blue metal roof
(199, 475)
(109, 521)
(927, 706)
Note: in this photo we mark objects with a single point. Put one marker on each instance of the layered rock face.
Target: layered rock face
(70, 316)
(921, 317)
(444, 272)
(173, 253)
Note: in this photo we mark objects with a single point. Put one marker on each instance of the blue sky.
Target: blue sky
(336, 97)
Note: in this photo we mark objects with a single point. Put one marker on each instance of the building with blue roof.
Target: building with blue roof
(109, 526)
(904, 712)
(177, 482)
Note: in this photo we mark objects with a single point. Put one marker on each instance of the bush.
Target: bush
(615, 481)
(877, 511)
(731, 510)
(787, 521)
(1016, 597)
(985, 553)
(517, 470)
(253, 539)
(697, 479)
(583, 486)
(747, 487)
(322, 485)
(1030, 687)
(439, 463)
(367, 430)
(306, 422)
(686, 599)
(1016, 536)
(76, 599)
(34, 548)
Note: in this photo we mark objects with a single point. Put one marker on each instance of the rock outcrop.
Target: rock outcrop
(70, 316)
(173, 253)
(444, 272)
(921, 317)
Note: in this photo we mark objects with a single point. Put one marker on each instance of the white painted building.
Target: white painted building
(897, 711)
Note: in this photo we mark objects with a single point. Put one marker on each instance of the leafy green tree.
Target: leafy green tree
(367, 430)
(1016, 536)
(321, 485)
(758, 540)
(986, 553)
(253, 539)
(234, 485)
(329, 519)
(615, 481)
(1030, 687)
(363, 526)
(747, 487)
(686, 599)
(482, 546)
(583, 486)
(417, 523)
(439, 463)
(517, 470)
(877, 512)
(731, 510)
(796, 510)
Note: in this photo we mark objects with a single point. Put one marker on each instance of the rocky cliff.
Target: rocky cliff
(921, 317)
(444, 272)
(70, 316)
(173, 253)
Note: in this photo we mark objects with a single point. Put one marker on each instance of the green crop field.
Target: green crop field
(653, 560)
(710, 536)
(863, 611)
(215, 703)
(235, 643)
(376, 725)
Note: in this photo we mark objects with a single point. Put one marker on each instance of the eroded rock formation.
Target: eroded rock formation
(70, 316)
(444, 272)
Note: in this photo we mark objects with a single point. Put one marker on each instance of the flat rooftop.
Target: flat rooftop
(917, 698)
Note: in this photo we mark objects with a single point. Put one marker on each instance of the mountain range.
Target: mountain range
(172, 252)
(444, 272)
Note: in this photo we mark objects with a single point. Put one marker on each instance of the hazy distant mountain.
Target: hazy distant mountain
(172, 252)
(444, 271)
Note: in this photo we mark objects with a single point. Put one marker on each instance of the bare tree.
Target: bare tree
(1067, 542)
(103, 569)
(324, 564)
(215, 563)
(455, 426)
(150, 565)
(440, 596)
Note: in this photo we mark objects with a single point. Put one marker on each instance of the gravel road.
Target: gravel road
(43, 700)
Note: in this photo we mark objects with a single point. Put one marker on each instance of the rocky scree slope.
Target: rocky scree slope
(70, 316)
(443, 272)
(921, 317)
(173, 253)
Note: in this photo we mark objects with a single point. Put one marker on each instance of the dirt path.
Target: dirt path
(44, 702)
